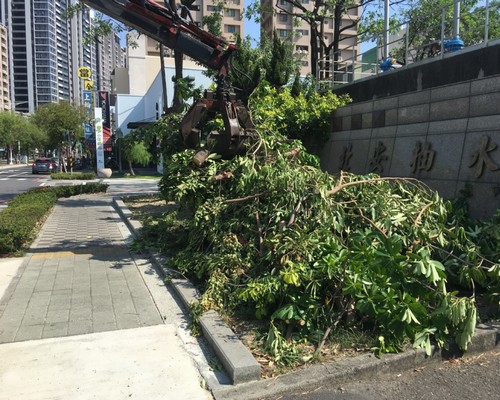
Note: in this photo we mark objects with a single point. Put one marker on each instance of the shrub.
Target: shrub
(304, 116)
(83, 176)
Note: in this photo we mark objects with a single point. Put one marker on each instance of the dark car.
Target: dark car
(43, 165)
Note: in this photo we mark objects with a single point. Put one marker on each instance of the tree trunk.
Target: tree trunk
(177, 100)
(314, 50)
(163, 79)
(179, 57)
(131, 169)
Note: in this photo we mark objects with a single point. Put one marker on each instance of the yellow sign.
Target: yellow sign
(89, 85)
(84, 73)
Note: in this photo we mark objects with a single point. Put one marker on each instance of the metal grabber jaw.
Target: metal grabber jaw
(238, 132)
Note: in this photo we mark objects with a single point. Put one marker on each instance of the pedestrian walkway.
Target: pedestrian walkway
(80, 278)
(81, 303)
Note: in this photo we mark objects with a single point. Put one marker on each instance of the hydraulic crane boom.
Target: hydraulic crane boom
(164, 25)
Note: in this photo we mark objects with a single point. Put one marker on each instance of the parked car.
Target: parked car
(43, 165)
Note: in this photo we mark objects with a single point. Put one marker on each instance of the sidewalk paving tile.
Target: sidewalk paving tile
(80, 278)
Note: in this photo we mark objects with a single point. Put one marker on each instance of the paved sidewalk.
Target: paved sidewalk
(80, 278)
(80, 303)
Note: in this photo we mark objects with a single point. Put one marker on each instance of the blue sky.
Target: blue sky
(252, 29)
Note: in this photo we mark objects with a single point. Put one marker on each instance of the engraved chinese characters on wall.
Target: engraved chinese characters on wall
(345, 158)
(482, 158)
(422, 157)
(378, 159)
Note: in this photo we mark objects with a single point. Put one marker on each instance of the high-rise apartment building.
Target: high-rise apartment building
(285, 25)
(110, 55)
(4, 70)
(40, 57)
(82, 55)
(144, 60)
(46, 49)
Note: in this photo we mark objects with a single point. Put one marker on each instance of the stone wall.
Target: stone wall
(447, 136)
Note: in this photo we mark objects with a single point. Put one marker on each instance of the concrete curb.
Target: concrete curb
(365, 366)
(238, 362)
(245, 379)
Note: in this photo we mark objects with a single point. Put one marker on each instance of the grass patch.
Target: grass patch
(137, 175)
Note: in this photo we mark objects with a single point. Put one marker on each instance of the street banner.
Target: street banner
(103, 103)
(99, 145)
(87, 104)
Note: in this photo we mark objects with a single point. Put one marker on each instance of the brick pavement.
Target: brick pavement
(79, 278)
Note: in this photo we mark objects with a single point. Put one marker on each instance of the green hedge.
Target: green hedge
(20, 220)
(83, 176)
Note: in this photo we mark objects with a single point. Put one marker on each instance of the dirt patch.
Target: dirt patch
(143, 207)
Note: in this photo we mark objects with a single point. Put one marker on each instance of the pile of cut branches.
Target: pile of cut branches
(271, 233)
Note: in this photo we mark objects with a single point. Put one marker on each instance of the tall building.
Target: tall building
(40, 59)
(144, 60)
(46, 49)
(4, 70)
(82, 55)
(286, 27)
(110, 55)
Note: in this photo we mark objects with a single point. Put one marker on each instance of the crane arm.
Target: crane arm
(164, 25)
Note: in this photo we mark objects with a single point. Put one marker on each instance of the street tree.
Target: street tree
(18, 132)
(58, 120)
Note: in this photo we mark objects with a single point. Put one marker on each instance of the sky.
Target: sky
(252, 29)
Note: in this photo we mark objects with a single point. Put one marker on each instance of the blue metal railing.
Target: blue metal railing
(352, 64)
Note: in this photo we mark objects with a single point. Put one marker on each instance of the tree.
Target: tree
(134, 152)
(31, 137)
(8, 128)
(424, 18)
(280, 65)
(315, 14)
(15, 129)
(246, 69)
(58, 120)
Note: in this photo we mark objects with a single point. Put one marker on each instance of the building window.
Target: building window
(214, 8)
(305, 63)
(303, 32)
(231, 12)
(283, 17)
(302, 49)
(304, 1)
(231, 28)
(282, 33)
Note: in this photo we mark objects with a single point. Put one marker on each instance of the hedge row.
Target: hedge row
(83, 176)
(20, 220)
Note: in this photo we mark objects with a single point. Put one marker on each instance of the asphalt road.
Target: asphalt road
(476, 377)
(17, 179)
